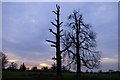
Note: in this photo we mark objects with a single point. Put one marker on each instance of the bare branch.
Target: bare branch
(51, 41)
(71, 52)
(56, 20)
(61, 35)
(86, 64)
(57, 6)
(53, 32)
(71, 61)
(54, 58)
(54, 24)
(54, 12)
(61, 30)
(53, 45)
(60, 23)
(73, 38)
(65, 48)
(82, 41)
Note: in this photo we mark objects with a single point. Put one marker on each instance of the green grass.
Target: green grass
(17, 75)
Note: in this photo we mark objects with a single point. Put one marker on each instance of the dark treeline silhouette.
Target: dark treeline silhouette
(12, 66)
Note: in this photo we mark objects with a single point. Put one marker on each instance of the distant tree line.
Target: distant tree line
(6, 65)
(13, 66)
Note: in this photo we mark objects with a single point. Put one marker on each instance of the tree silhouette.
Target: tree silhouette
(56, 43)
(22, 67)
(13, 66)
(34, 68)
(45, 69)
(82, 51)
(3, 59)
(54, 67)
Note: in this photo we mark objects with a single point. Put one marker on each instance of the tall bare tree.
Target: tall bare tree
(82, 51)
(56, 44)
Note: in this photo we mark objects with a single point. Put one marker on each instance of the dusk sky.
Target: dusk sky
(25, 28)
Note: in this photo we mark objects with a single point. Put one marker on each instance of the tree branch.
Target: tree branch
(51, 41)
(85, 48)
(60, 23)
(71, 52)
(82, 41)
(54, 12)
(61, 30)
(65, 48)
(73, 39)
(53, 45)
(53, 24)
(86, 65)
(61, 35)
(56, 20)
(53, 32)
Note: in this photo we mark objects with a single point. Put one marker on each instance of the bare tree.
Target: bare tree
(4, 59)
(56, 43)
(45, 69)
(82, 51)
(22, 67)
(13, 66)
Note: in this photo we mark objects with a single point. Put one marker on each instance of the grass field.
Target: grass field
(17, 75)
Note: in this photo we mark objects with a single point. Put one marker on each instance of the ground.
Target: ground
(19, 75)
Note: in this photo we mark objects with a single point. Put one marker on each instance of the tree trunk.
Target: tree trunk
(58, 54)
(58, 59)
(58, 68)
(78, 68)
(78, 63)
(78, 51)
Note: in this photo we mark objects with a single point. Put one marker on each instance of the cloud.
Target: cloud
(12, 60)
(34, 61)
(44, 65)
(109, 60)
(60, 1)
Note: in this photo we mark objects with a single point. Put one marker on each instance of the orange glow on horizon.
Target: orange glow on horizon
(12, 60)
(29, 67)
(44, 65)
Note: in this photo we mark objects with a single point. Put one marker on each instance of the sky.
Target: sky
(59, 0)
(25, 28)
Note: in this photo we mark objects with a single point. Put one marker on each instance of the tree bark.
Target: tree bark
(78, 48)
(78, 57)
(58, 54)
